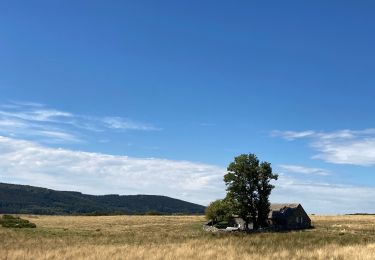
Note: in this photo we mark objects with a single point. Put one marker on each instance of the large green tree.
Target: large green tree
(249, 185)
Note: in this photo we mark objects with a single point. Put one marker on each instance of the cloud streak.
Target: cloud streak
(36, 121)
(303, 170)
(126, 124)
(354, 147)
(292, 135)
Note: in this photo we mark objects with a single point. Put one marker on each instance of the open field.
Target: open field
(181, 237)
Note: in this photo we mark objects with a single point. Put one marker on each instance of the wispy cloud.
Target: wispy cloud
(18, 103)
(40, 115)
(355, 147)
(55, 135)
(303, 170)
(26, 162)
(292, 135)
(25, 120)
(206, 124)
(126, 124)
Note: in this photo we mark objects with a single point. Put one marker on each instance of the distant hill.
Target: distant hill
(23, 199)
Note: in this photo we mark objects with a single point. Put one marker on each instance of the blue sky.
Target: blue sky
(91, 91)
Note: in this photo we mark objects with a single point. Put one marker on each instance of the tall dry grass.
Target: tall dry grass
(181, 237)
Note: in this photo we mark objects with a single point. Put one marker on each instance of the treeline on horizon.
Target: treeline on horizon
(22, 199)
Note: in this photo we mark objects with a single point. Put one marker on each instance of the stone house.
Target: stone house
(280, 217)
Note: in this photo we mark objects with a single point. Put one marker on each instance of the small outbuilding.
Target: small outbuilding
(280, 217)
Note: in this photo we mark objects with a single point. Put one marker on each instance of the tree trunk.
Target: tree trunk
(246, 225)
(255, 223)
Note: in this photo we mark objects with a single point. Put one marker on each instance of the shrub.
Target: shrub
(220, 210)
(10, 221)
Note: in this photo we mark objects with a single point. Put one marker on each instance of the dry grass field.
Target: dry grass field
(181, 237)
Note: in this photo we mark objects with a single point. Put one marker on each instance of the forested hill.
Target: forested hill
(34, 200)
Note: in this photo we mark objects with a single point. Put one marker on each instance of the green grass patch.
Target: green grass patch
(9, 221)
(222, 224)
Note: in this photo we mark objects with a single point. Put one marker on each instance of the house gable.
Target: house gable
(289, 216)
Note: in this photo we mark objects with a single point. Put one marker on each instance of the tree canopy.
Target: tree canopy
(249, 185)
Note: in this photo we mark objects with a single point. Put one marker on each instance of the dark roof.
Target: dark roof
(278, 206)
(281, 209)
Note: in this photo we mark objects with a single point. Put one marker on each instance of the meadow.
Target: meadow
(182, 237)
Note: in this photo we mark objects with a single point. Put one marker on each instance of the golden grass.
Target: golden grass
(181, 237)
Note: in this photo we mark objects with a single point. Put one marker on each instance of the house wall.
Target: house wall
(298, 219)
(237, 222)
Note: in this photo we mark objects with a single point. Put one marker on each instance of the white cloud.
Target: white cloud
(95, 173)
(303, 169)
(36, 121)
(324, 198)
(26, 162)
(355, 147)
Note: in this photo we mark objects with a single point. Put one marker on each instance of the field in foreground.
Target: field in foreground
(181, 237)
